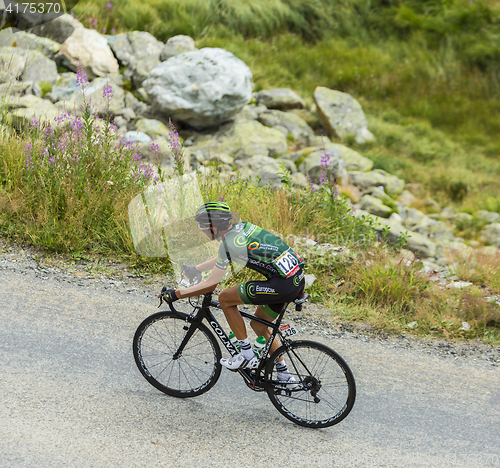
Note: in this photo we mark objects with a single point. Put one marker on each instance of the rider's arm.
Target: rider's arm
(208, 285)
(208, 265)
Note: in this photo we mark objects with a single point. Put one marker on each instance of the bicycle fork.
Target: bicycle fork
(187, 336)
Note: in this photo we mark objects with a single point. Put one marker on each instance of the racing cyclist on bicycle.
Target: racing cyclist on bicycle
(259, 250)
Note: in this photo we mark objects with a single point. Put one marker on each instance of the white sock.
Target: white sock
(282, 370)
(246, 349)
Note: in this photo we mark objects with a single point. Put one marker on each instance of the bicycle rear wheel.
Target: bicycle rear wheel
(324, 391)
(194, 372)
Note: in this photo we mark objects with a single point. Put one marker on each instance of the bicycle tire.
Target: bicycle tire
(197, 369)
(319, 372)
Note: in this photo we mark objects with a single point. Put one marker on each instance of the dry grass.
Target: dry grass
(481, 267)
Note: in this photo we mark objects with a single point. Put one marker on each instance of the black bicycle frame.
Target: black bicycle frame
(204, 312)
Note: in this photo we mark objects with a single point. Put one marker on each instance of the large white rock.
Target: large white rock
(88, 47)
(202, 88)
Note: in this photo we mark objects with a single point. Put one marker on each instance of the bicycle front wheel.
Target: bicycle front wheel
(324, 391)
(193, 372)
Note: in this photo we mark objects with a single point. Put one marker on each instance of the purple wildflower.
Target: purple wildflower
(62, 117)
(220, 198)
(77, 124)
(112, 30)
(109, 5)
(34, 122)
(29, 163)
(52, 160)
(63, 143)
(325, 163)
(154, 147)
(48, 132)
(136, 157)
(144, 172)
(29, 160)
(81, 76)
(325, 160)
(104, 30)
(107, 91)
(94, 22)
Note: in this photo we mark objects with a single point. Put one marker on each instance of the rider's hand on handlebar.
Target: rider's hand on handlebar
(168, 295)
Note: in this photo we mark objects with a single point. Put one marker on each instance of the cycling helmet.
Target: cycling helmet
(214, 214)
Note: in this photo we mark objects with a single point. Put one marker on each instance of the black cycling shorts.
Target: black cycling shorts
(273, 293)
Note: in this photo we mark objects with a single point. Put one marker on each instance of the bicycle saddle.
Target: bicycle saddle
(302, 297)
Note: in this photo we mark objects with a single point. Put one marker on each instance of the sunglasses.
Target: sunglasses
(204, 227)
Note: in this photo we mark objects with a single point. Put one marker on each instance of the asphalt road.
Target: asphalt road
(71, 396)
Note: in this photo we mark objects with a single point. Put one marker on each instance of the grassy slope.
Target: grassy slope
(425, 72)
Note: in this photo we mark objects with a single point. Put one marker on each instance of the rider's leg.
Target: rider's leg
(262, 330)
(229, 300)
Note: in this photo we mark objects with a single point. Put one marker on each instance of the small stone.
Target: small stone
(407, 197)
(280, 98)
(177, 45)
(489, 216)
(341, 114)
(459, 284)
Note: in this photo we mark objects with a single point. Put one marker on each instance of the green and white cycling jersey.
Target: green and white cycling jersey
(250, 245)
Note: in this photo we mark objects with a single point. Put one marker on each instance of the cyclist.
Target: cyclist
(259, 250)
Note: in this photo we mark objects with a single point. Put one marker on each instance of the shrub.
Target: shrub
(68, 187)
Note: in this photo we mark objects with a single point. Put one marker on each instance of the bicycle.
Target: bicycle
(180, 356)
